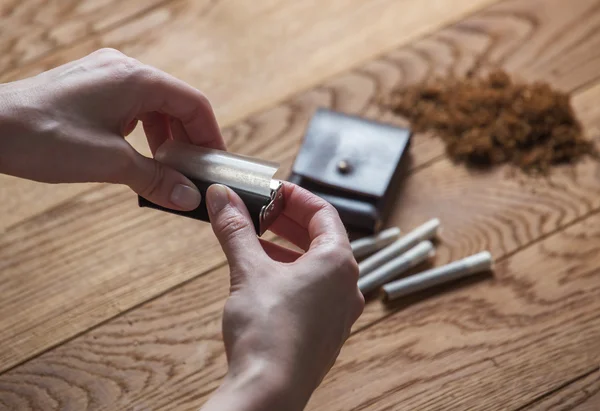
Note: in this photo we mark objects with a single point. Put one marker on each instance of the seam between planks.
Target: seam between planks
(218, 266)
(282, 99)
(420, 35)
(357, 65)
(107, 320)
(224, 263)
(506, 256)
(557, 389)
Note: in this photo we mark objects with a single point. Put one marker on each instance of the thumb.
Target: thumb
(233, 227)
(161, 184)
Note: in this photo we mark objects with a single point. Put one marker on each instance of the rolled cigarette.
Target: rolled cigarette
(423, 232)
(368, 245)
(395, 267)
(458, 269)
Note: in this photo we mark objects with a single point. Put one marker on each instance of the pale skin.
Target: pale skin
(288, 313)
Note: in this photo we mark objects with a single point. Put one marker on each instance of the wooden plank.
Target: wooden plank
(97, 255)
(148, 357)
(244, 55)
(168, 341)
(455, 49)
(94, 233)
(200, 42)
(32, 29)
(501, 36)
(477, 351)
(581, 394)
(495, 211)
(496, 344)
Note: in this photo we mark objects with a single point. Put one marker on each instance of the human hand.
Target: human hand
(288, 313)
(68, 125)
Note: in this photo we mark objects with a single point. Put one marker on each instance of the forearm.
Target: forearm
(256, 388)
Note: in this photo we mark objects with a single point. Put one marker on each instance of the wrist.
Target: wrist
(8, 124)
(258, 386)
(24, 131)
(14, 125)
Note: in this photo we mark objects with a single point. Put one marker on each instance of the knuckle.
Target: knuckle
(356, 311)
(231, 225)
(126, 67)
(142, 73)
(108, 51)
(310, 200)
(325, 208)
(342, 262)
(329, 251)
(203, 105)
(321, 205)
(153, 185)
(331, 210)
(120, 66)
(351, 270)
(121, 163)
(331, 247)
(360, 304)
(339, 255)
(194, 113)
(202, 99)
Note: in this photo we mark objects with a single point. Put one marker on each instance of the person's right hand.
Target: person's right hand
(288, 314)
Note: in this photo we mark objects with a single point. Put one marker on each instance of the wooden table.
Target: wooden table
(107, 306)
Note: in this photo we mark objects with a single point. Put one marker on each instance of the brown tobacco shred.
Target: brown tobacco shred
(492, 120)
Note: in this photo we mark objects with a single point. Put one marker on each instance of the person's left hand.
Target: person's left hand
(68, 125)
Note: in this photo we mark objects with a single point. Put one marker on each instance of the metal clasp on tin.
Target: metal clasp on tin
(270, 212)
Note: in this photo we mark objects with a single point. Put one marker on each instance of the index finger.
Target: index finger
(319, 218)
(168, 95)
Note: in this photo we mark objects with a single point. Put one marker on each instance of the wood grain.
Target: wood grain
(504, 35)
(245, 56)
(123, 364)
(498, 343)
(97, 254)
(496, 210)
(580, 394)
(207, 43)
(35, 28)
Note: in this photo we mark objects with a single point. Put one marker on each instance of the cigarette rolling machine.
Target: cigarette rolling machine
(250, 178)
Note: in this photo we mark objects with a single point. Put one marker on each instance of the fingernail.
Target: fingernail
(185, 197)
(217, 199)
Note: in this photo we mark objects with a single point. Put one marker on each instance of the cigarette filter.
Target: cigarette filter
(368, 245)
(439, 275)
(397, 266)
(250, 178)
(425, 231)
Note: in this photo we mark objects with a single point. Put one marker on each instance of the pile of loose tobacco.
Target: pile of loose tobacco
(493, 120)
